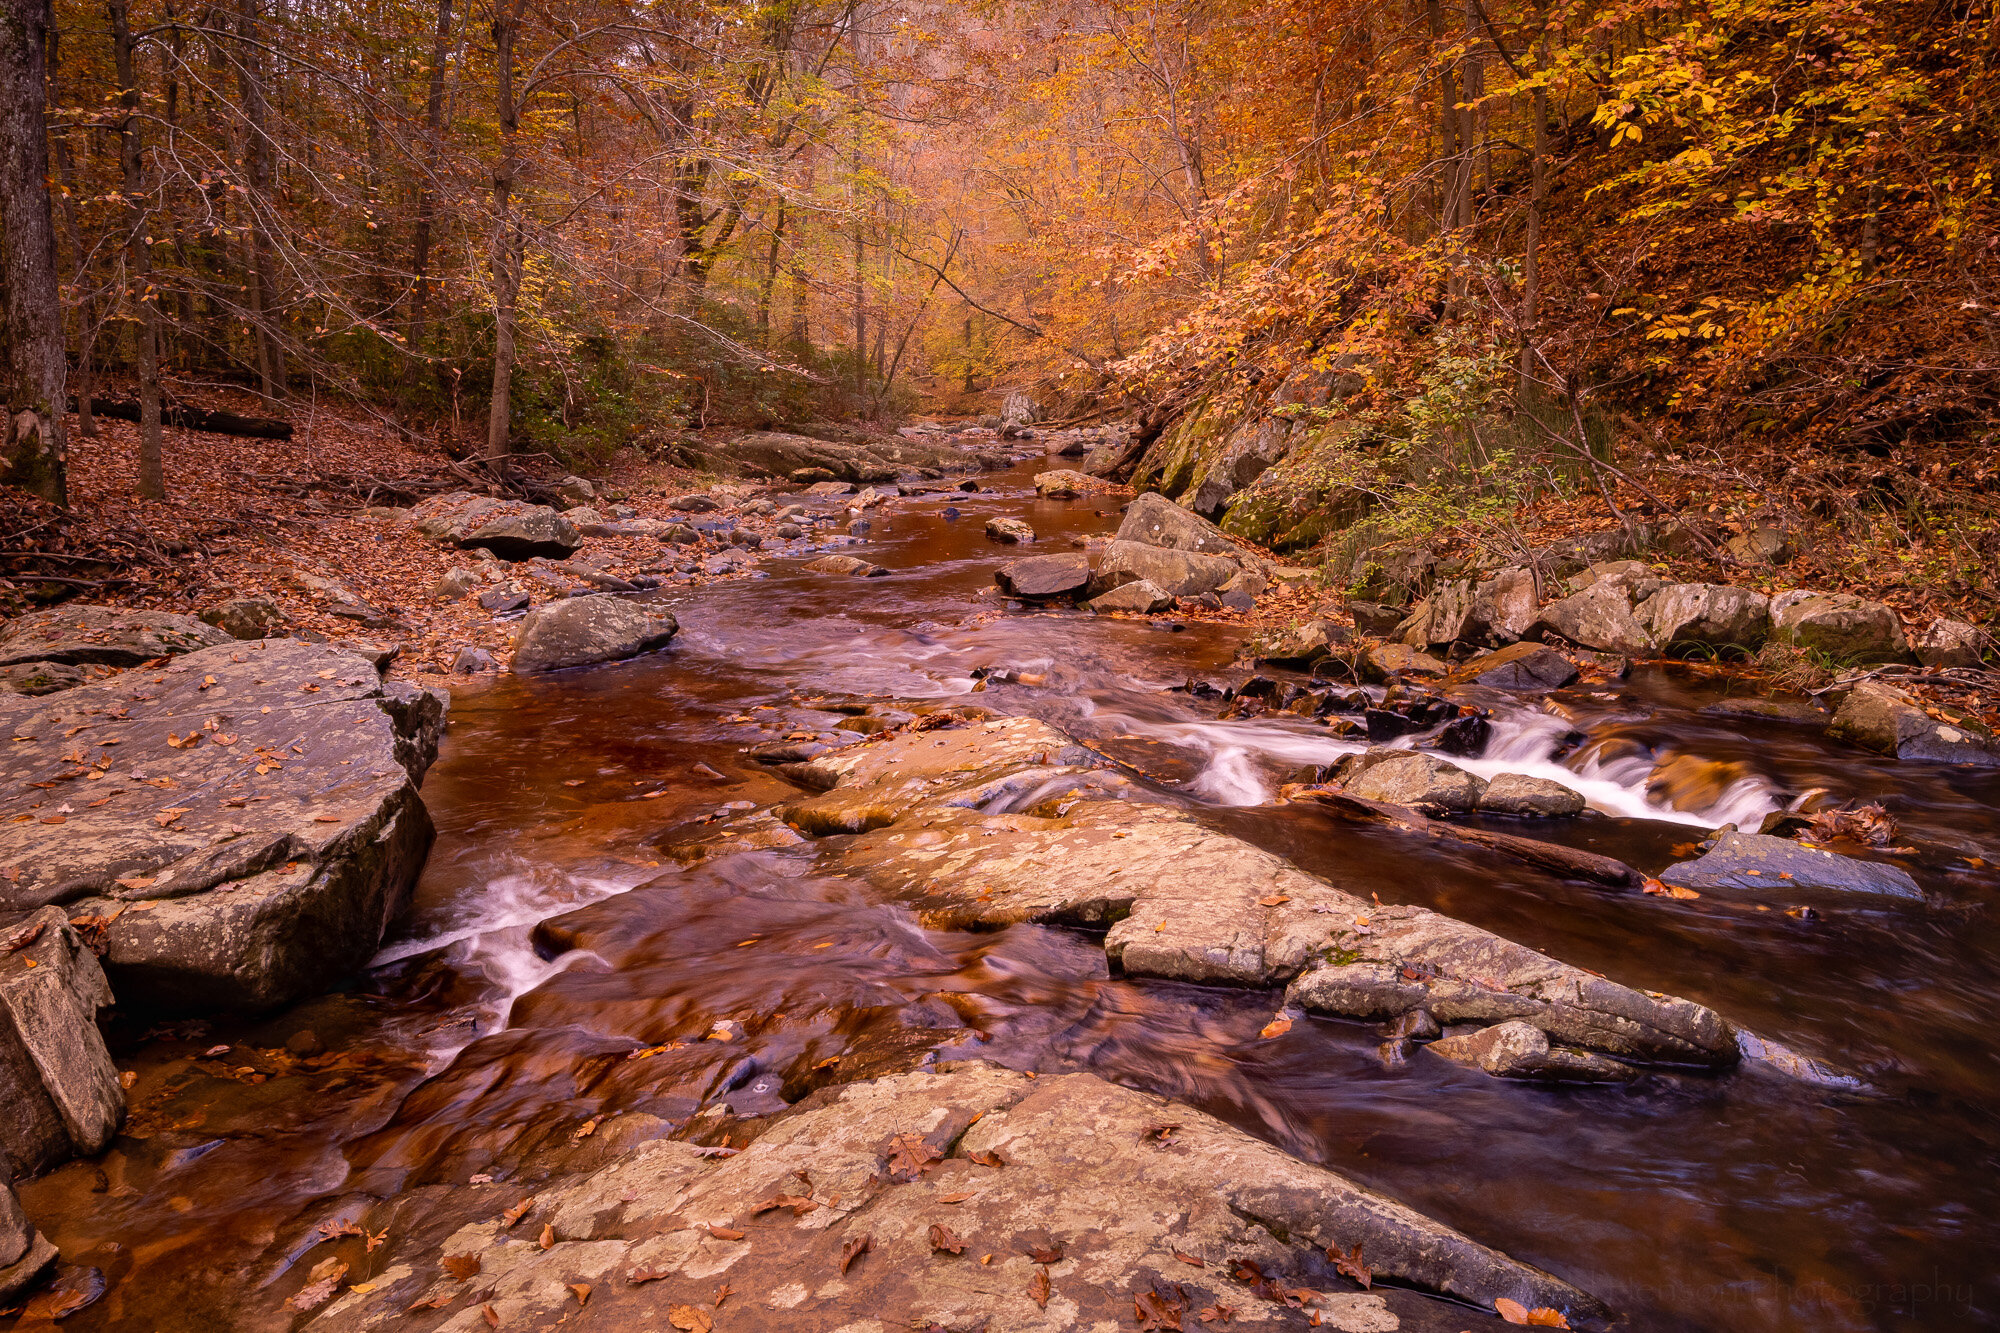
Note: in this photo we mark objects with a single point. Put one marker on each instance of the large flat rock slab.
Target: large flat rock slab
(104, 635)
(238, 826)
(973, 1197)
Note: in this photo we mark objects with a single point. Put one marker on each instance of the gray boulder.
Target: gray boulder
(1439, 619)
(733, 561)
(1519, 794)
(1299, 644)
(1061, 484)
(25, 1253)
(1019, 409)
(1139, 597)
(1521, 666)
(510, 529)
(1599, 617)
(247, 618)
(102, 635)
(1041, 576)
(1013, 531)
(1633, 577)
(1777, 867)
(1706, 615)
(1252, 449)
(59, 1092)
(1951, 643)
(472, 661)
(1386, 660)
(698, 503)
(1423, 782)
(455, 584)
(37, 678)
(1883, 718)
(1178, 573)
(1375, 619)
(845, 564)
(1844, 627)
(576, 491)
(1154, 520)
(260, 829)
(580, 631)
(1518, 1049)
(1503, 607)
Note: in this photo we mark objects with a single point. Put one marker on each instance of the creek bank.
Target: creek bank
(964, 1197)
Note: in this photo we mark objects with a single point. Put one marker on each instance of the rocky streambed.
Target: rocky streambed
(892, 949)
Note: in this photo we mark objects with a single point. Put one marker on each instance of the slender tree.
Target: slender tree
(32, 451)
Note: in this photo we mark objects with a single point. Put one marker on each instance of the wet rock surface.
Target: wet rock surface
(1877, 716)
(1044, 576)
(239, 825)
(59, 1093)
(102, 635)
(965, 1198)
(586, 630)
(1775, 867)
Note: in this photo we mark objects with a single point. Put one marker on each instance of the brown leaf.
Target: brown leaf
(1350, 1265)
(1190, 1259)
(798, 1203)
(638, 1275)
(1161, 1132)
(548, 1240)
(136, 882)
(1218, 1314)
(1277, 1027)
(723, 1293)
(724, 1233)
(331, 1266)
(517, 1212)
(25, 938)
(463, 1267)
(1159, 1310)
(316, 1294)
(1046, 1254)
(1512, 1311)
(1041, 1288)
(690, 1318)
(909, 1155)
(955, 1198)
(437, 1302)
(853, 1250)
(1544, 1317)
(582, 1290)
(490, 1315)
(1275, 899)
(992, 1159)
(944, 1240)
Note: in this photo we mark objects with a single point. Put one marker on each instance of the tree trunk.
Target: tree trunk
(259, 162)
(1531, 261)
(506, 242)
(31, 437)
(420, 245)
(770, 280)
(86, 315)
(139, 256)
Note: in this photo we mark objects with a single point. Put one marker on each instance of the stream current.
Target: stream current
(1746, 1201)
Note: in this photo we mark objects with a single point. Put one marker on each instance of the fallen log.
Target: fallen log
(1565, 861)
(182, 417)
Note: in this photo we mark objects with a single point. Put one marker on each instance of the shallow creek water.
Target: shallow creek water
(1743, 1202)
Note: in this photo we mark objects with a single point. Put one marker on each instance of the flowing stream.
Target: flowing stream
(1741, 1202)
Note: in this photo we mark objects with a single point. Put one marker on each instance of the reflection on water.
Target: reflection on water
(555, 970)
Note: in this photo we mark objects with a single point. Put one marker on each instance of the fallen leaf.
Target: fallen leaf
(490, 1315)
(853, 1250)
(548, 1240)
(944, 1240)
(585, 1130)
(136, 882)
(690, 1318)
(582, 1290)
(1218, 1314)
(1544, 1317)
(1161, 1132)
(638, 1275)
(437, 1302)
(954, 1198)
(724, 1233)
(992, 1159)
(316, 1294)
(464, 1267)
(1277, 1027)
(24, 939)
(1159, 1310)
(331, 1266)
(799, 1204)
(1190, 1259)
(1051, 1254)
(517, 1212)
(1350, 1265)
(910, 1155)
(1040, 1288)
(723, 1293)
(1512, 1311)
(1275, 899)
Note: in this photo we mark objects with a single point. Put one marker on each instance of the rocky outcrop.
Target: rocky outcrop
(1843, 627)
(1521, 666)
(510, 529)
(581, 631)
(252, 833)
(965, 1197)
(1043, 576)
(1778, 867)
(59, 1092)
(1154, 520)
(102, 635)
(1178, 573)
(247, 618)
(1519, 794)
(1249, 451)
(1136, 598)
(1706, 616)
(1878, 716)
(1007, 821)
(1599, 617)
(1421, 782)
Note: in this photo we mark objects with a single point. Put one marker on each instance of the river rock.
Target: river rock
(247, 618)
(1840, 625)
(1302, 644)
(1599, 617)
(455, 584)
(732, 561)
(845, 564)
(1061, 484)
(831, 488)
(1635, 578)
(575, 491)
(510, 529)
(1951, 643)
(1154, 520)
(471, 661)
(1440, 618)
(1775, 867)
(1019, 409)
(1880, 717)
(1503, 607)
(1422, 782)
(580, 631)
(1012, 530)
(32, 1253)
(1398, 659)
(698, 503)
(1374, 618)
(250, 837)
(585, 518)
(1116, 1184)
(37, 678)
(1521, 1050)
(1008, 820)
(103, 635)
(1139, 598)
(1041, 576)
(1762, 545)
(1178, 573)
(1519, 794)
(1706, 616)
(1521, 666)
(59, 1092)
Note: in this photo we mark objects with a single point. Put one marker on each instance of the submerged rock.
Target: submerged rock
(845, 564)
(59, 1092)
(102, 635)
(580, 631)
(510, 529)
(1880, 717)
(967, 1197)
(1042, 576)
(259, 830)
(1521, 1050)
(1777, 866)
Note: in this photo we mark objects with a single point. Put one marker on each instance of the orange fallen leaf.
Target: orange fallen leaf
(954, 1198)
(548, 1240)
(724, 1233)
(853, 1250)
(517, 1212)
(1041, 1288)
(1277, 1027)
(945, 1241)
(1275, 899)
(690, 1318)
(582, 1290)
(464, 1267)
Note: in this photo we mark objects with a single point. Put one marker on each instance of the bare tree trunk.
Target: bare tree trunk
(770, 279)
(86, 315)
(506, 241)
(139, 257)
(1531, 261)
(258, 159)
(420, 246)
(31, 437)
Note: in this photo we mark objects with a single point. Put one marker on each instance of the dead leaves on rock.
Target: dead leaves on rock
(517, 1212)
(724, 1233)
(1160, 1309)
(1540, 1317)
(690, 1319)
(944, 1240)
(853, 1250)
(1277, 1027)
(992, 1159)
(1040, 1288)
(910, 1156)
(1350, 1265)
(462, 1267)
(798, 1203)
